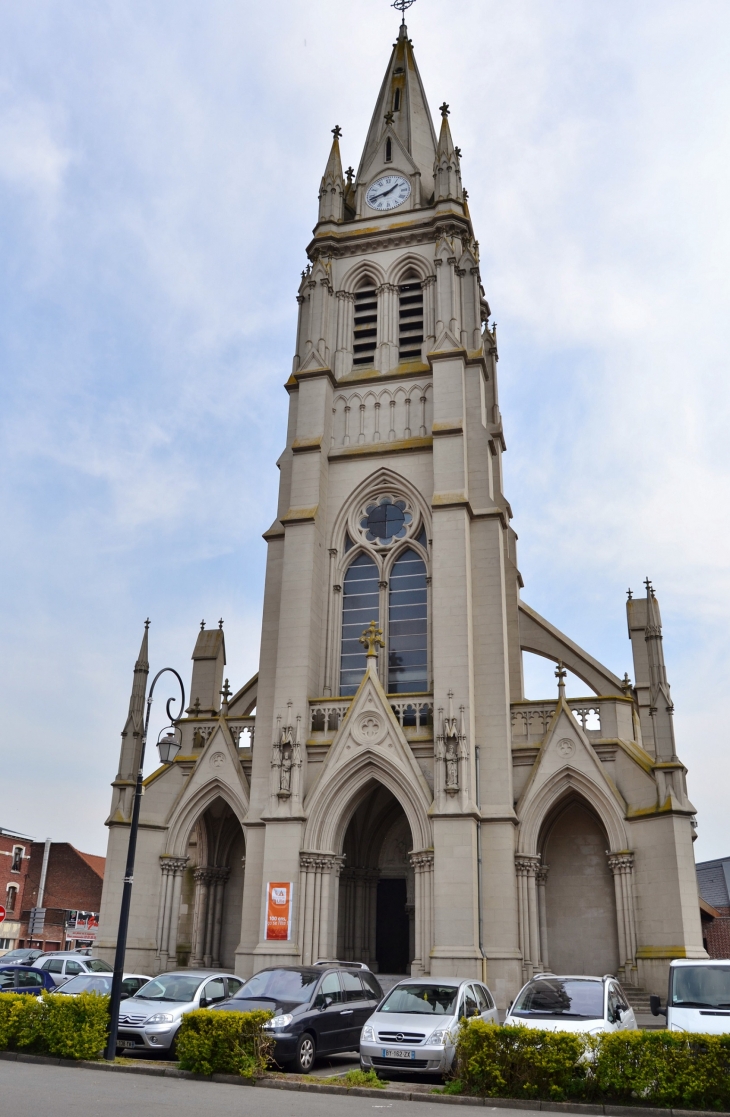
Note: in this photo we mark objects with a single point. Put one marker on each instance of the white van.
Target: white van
(699, 996)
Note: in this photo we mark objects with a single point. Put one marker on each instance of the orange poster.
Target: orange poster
(278, 910)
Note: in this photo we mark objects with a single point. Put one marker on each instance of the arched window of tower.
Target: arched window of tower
(360, 606)
(389, 151)
(408, 626)
(396, 101)
(365, 332)
(410, 327)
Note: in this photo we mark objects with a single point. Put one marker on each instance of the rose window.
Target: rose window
(385, 521)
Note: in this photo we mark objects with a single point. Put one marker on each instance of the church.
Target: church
(381, 790)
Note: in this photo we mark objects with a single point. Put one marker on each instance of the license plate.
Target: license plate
(397, 1053)
(126, 1043)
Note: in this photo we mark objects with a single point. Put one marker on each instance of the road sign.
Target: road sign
(37, 921)
(2, 913)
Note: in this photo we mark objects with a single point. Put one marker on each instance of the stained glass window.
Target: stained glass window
(408, 626)
(360, 606)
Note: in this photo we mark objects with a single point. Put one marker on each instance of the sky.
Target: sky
(159, 169)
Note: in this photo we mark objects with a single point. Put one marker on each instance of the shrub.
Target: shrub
(354, 1078)
(676, 1069)
(654, 1068)
(224, 1042)
(68, 1027)
(493, 1061)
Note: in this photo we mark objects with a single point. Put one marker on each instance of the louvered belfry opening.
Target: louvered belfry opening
(410, 329)
(366, 325)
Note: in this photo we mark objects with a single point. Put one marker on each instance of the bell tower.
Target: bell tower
(391, 511)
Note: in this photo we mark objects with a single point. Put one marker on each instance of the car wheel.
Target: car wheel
(306, 1049)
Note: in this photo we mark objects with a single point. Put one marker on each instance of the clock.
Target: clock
(388, 192)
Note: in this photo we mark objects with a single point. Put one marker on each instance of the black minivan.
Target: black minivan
(318, 1010)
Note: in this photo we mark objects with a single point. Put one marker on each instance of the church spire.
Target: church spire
(402, 111)
(331, 190)
(446, 167)
(132, 732)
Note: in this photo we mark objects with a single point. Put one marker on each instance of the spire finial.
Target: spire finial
(444, 110)
(337, 131)
(389, 117)
(226, 693)
(202, 626)
(350, 172)
(649, 587)
(147, 625)
(560, 674)
(220, 624)
(371, 639)
(629, 594)
(626, 686)
(402, 6)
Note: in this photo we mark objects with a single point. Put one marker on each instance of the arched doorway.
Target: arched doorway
(580, 903)
(376, 907)
(210, 912)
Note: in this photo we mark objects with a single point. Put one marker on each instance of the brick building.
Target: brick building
(713, 880)
(70, 897)
(14, 864)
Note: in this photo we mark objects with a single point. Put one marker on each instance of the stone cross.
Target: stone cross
(371, 639)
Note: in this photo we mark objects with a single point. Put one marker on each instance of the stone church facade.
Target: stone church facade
(395, 790)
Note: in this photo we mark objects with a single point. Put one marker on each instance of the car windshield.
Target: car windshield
(295, 986)
(435, 1000)
(95, 965)
(170, 987)
(556, 996)
(701, 986)
(88, 983)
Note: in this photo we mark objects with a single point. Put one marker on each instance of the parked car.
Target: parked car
(150, 1020)
(102, 983)
(415, 1027)
(25, 979)
(24, 956)
(698, 997)
(62, 966)
(317, 1010)
(572, 1004)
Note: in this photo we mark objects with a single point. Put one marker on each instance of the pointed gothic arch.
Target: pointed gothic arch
(565, 782)
(187, 811)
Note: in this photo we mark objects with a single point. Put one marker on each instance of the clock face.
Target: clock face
(388, 192)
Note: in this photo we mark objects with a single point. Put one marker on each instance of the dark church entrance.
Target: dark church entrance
(376, 909)
(392, 946)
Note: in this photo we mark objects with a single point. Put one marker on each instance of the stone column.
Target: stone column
(387, 338)
(221, 877)
(169, 933)
(345, 319)
(622, 867)
(202, 881)
(422, 863)
(541, 880)
(308, 865)
(526, 868)
(429, 311)
(165, 896)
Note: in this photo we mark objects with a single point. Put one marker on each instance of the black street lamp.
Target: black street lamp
(169, 747)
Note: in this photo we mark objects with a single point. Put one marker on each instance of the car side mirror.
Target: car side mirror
(203, 1002)
(324, 1000)
(655, 1005)
(124, 997)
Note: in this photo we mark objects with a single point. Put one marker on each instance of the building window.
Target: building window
(17, 859)
(396, 101)
(389, 150)
(410, 327)
(360, 606)
(386, 521)
(366, 324)
(408, 626)
(11, 896)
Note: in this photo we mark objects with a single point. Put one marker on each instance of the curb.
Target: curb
(362, 1092)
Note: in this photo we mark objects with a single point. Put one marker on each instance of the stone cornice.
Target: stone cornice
(373, 449)
(343, 240)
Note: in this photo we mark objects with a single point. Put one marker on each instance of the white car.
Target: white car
(63, 966)
(101, 983)
(416, 1025)
(572, 1004)
(699, 996)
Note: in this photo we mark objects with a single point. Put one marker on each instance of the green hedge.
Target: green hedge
(653, 1068)
(224, 1042)
(69, 1027)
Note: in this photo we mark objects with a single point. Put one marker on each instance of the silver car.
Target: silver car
(415, 1027)
(150, 1020)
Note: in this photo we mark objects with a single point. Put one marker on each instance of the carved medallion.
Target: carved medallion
(369, 728)
(565, 748)
(217, 760)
